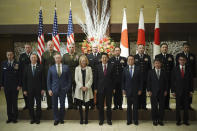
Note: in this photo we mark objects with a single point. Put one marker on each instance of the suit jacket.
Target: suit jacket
(10, 77)
(134, 84)
(104, 83)
(144, 64)
(56, 83)
(34, 82)
(191, 62)
(181, 85)
(155, 85)
(79, 83)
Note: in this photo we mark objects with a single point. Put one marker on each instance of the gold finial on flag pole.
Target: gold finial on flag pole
(158, 6)
(70, 3)
(142, 6)
(55, 5)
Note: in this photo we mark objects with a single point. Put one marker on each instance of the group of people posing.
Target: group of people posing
(91, 80)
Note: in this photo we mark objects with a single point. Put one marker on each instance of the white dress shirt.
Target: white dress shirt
(60, 68)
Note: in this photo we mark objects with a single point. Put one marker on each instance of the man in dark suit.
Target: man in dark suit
(47, 61)
(119, 63)
(190, 63)
(11, 82)
(94, 59)
(157, 90)
(33, 87)
(144, 62)
(104, 87)
(132, 87)
(167, 65)
(24, 60)
(181, 88)
(59, 82)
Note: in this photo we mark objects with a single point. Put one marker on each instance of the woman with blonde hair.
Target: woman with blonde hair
(83, 91)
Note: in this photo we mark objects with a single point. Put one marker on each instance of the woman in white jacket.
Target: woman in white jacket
(83, 90)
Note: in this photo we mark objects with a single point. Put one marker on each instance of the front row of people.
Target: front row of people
(59, 82)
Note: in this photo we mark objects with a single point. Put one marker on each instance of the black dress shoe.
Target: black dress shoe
(161, 123)
(155, 123)
(115, 108)
(86, 121)
(101, 123)
(92, 108)
(190, 108)
(136, 123)
(186, 123)
(70, 107)
(144, 108)
(61, 121)
(32, 121)
(49, 108)
(38, 122)
(129, 123)
(120, 108)
(8, 121)
(178, 123)
(56, 123)
(24, 108)
(14, 121)
(168, 108)
(109, 122)
(81, 122)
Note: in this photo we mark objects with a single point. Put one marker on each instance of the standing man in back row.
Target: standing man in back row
(72, 60)
(119, 63)
(144, 62)
(167, 61)
(48, 61)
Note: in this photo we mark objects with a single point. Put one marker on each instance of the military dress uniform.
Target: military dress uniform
(48, 61)
(119, 63)
(144, 63)
(167, 65)
(94, 60)
(72, 60)
(10, 80)
(24, 60)
(191, 64)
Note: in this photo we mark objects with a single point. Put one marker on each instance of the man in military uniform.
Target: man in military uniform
(190, 63)
(47, 61)
(11, 82)
(119, 63)
(24, 60)
(144, 62)
(167, 65)
(72, 60)
(94, 60)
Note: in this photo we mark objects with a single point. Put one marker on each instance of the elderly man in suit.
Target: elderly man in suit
(11, 82)
(33, 87)
(104, 87)
(132, 87)
(157, 90)
(59, 82)
(182, 89)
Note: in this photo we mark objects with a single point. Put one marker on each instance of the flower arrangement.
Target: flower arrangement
(106, 45)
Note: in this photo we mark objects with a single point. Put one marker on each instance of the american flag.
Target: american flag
(70, 34)
(41, 44)
(55, 35)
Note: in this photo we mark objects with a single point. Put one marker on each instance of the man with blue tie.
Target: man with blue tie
(11, 82)
(59, 81)
(132, 88)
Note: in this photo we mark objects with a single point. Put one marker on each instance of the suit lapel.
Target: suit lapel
(155, 74)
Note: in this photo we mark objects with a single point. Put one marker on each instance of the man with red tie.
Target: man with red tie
(182, 89)
(104, 87)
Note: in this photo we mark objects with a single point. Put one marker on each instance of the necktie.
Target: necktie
(158, 74)
(34, 69)
(182, 72)
(117, 58)
(130, 71)
(58, 70)
(105, 70)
